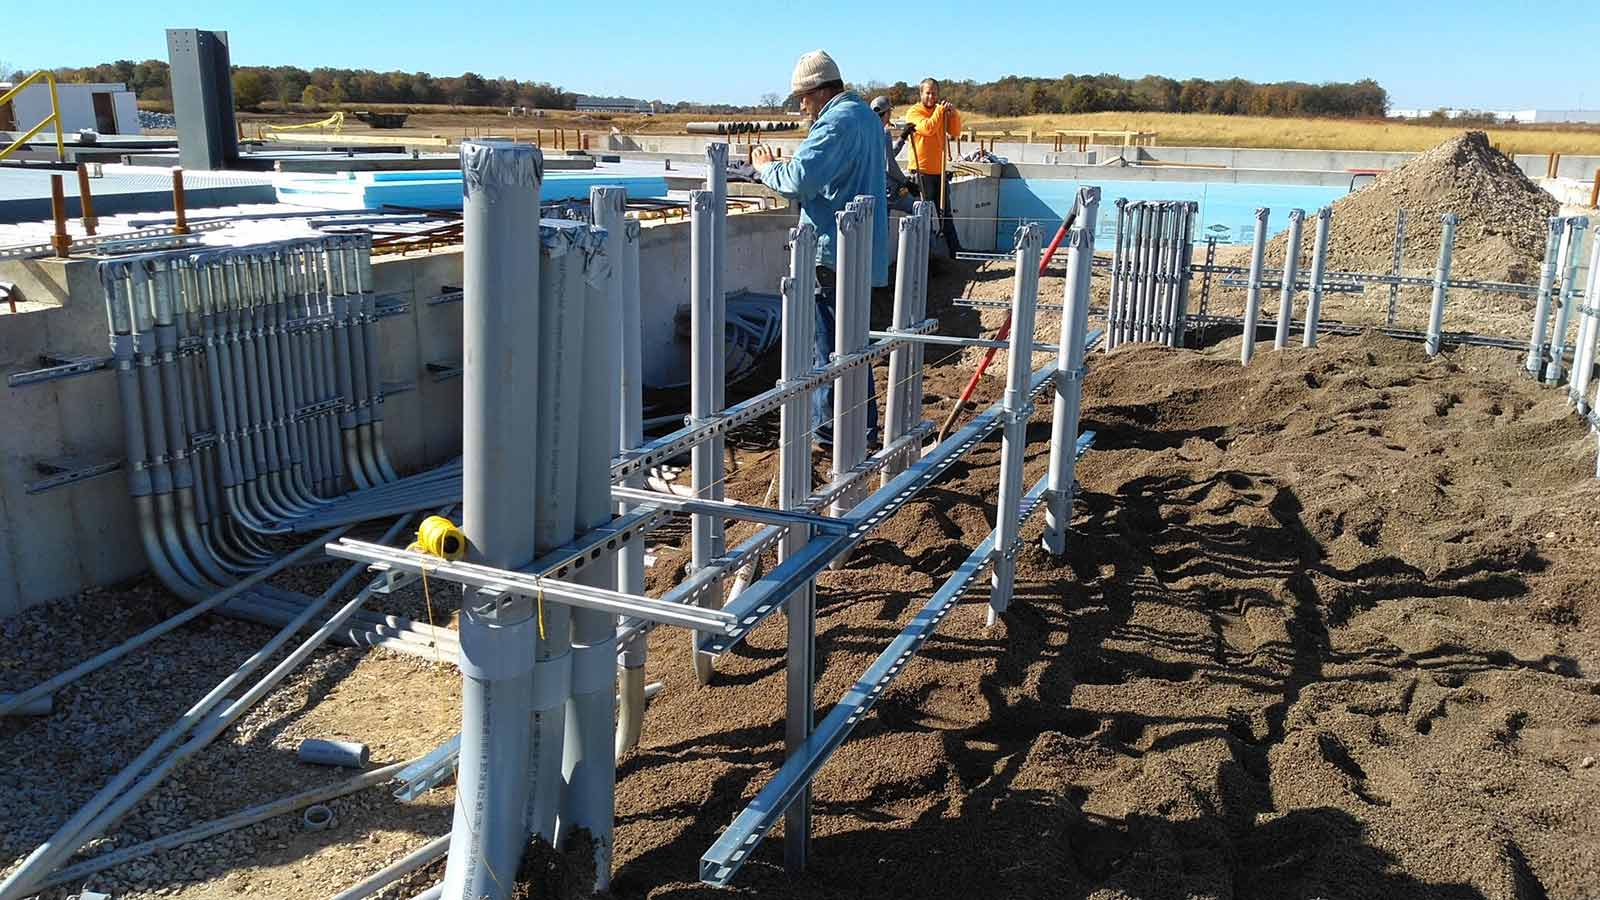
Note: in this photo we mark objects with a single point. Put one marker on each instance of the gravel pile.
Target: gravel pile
(148, 119)
(1502, 213)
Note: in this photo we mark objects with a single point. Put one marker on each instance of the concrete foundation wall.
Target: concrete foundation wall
(58, 542)
(1254, 159)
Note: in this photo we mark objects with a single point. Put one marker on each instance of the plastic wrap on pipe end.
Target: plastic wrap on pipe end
(1027, 237)
(561, 235)
(492, 165)
(1088, 195)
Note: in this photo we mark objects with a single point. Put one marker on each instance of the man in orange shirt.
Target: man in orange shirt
(932, 125)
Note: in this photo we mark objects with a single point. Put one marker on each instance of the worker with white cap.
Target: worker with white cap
(840, 159)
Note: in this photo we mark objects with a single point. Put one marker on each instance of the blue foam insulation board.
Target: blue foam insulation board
(441, 189)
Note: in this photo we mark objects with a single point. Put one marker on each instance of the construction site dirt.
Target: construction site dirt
(1324, 629)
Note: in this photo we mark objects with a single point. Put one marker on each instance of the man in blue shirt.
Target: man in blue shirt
(841, 158)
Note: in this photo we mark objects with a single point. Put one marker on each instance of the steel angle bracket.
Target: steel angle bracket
(734, 846)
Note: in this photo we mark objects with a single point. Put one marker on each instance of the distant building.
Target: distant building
(1524, 116)
(613, 105)
(105, 108)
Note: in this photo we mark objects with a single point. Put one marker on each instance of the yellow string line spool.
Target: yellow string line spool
(437, 536)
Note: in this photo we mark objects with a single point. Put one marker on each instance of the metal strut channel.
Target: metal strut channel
(428, 772)
(58, 368)
(734, 846)
(765, 595)
(664, 448)
(522, 584)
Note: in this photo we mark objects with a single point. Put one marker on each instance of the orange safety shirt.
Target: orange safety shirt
(927, 150)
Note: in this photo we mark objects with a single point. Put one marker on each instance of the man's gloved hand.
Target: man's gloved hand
(907, 131)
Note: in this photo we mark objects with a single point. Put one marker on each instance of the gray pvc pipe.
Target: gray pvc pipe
(500, 383)
(1118, 265)
(1319, 262)
(1541, 304)
(589, 762)
(1441, 279)
(563, 297)
(1291, 269)
(1569, 283)
(323, 752)
(1252, 302)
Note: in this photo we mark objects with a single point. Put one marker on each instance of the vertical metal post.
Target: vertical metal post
(1069, 390)
(794, 485)
(85, 201)
(704, 347)
(1395, 267)
(60, 240)
(717, 185)
(1319, 262)
(1441, 280)
(1018, 406)
(1541, 304)
(1118, 264)
(1291, 268)
(1569, 285)
(500, 324)
(180, 207)
(1252, 300)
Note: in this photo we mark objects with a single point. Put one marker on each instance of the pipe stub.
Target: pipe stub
(317, 817)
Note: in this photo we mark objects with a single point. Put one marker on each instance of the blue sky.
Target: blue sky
(1469, 53)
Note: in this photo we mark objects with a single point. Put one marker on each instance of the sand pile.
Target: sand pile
(1501, 235)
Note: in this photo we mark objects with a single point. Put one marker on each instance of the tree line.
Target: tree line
(1017, 96)
(259, 87)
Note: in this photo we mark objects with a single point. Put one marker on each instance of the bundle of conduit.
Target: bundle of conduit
(750, 127)
(248, 380)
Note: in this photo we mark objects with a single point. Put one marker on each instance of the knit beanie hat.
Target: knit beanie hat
(812, 71)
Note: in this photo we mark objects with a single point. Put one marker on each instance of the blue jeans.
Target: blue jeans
(822, 397)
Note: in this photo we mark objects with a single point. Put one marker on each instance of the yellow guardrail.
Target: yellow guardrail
(55, 114)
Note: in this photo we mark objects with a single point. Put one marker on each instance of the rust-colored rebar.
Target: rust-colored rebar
(86, 201)
(1594, 192)
(179, 208)
(60, 240)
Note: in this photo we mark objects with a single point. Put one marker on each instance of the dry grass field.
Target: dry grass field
(1172, 129)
